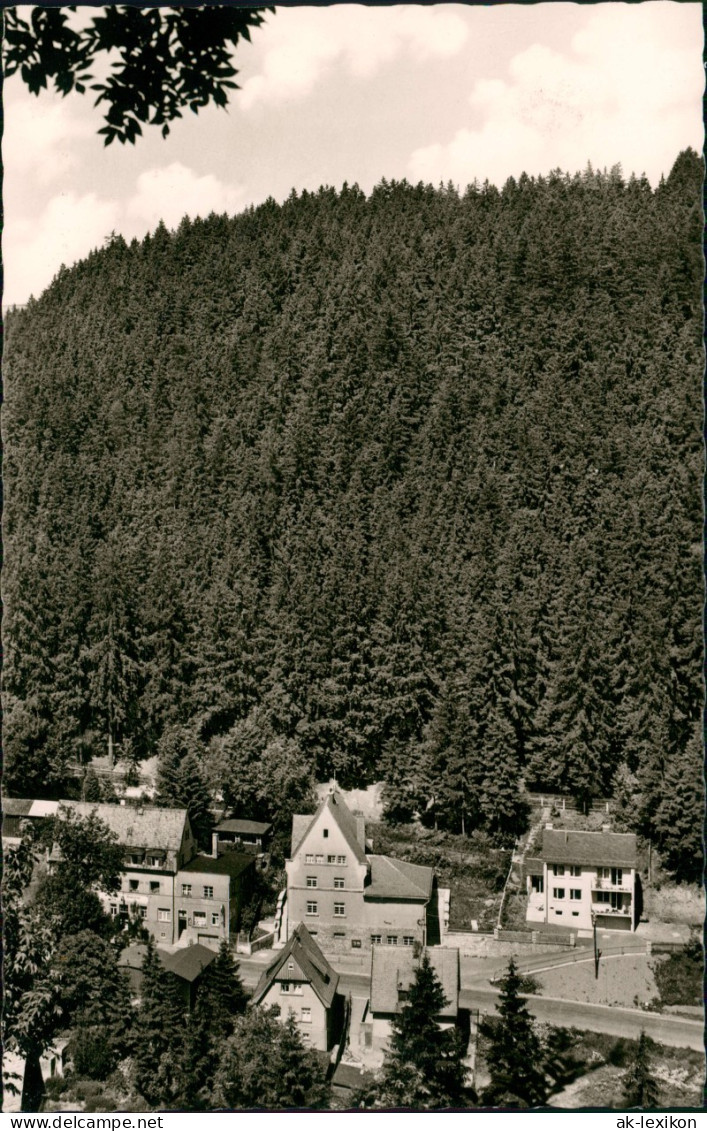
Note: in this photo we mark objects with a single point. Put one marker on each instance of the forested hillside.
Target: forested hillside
(405, 486)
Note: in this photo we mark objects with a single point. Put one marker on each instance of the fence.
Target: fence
(548, 938)
(246, 945)
(561, 801)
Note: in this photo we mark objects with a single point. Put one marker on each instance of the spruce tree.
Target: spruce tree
(418, 1042)
(639, 1087)
(159, 1033)
(514, 1050)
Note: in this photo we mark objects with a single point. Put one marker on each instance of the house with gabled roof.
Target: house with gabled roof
(300, 982)
(350, 898)
(392, 974)
(179, 895)
(580, 878)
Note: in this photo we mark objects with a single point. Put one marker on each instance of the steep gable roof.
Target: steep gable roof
(396, 879)
(303, 951)
(569, 846)
(351, 828)
(189, 962)
(227, 864)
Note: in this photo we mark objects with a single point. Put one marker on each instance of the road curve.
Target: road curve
(679, 1032)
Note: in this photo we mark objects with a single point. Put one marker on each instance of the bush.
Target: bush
(55, 1086)
(92, 1053)
(619, 1053)
(680, 976)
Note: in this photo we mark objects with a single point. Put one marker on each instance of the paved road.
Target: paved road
(676, 1031)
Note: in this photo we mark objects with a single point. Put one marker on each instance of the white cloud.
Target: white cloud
(173, 191)
(302, 45)
(39, 136)
(67, 229)
(72, 225)
(628, 91)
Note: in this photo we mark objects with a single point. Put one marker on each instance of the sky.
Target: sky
(349, 93)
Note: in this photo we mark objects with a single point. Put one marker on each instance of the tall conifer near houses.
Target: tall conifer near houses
(514, 1050)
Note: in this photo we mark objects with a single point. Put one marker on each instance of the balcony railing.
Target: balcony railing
(600, 884)
(607, 909)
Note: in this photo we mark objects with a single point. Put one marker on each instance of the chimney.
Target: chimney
(214, 845)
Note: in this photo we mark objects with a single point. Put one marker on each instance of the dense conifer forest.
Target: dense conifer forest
(401, 487)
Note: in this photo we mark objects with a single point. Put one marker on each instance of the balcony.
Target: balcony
(608, 885)
(607, 909)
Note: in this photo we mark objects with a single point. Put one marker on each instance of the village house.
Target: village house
(583, 878)
(180, 895)
(250, 836)
(392, 974)
(187, 965)
(301, 982)
(348, 897)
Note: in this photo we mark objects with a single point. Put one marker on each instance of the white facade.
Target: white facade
(574, 894)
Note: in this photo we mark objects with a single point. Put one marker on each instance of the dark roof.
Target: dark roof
(351, 1076)
(227, 864)
(12, 826)
(352, 828)
(568, 846)
(189, 962)
(396, 879)
(302, 948)
(394, 968)
(533, 866)
(235, 825)
(186, 963)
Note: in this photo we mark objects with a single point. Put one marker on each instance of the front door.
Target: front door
(181, 923)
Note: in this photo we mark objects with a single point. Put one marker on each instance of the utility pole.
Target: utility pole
(597, 952)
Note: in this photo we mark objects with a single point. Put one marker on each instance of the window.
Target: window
(575, 913)
(309, 858)
(331, 859)
(575, 893)
(338, 881)
(558, 869)
(311, 881)
(290, 967)
(164, 915)
(142, 912)
(339, 935)
(376, 940)
(306, 1014)
(199, 918)
(134, 885)
(603, 897)
(114, 908)
(355, 944)
(295, 988)
(312, 907)
(154, 861)
(558, 893)
(392, 940)
(154, 886)
(325, 833)
(341, 860)
(575, 869)
(134, 859)
(603, 873)
(339, 909)
(285, 987)
(215, 919)
(408, 940)
(558, 912)
(319, 859)
(208, 891)
(186, 889)
(617, 875)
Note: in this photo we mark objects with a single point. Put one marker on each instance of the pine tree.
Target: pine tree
(679, 818)
(639, 1087)
(159, 1033)
(91, 786)
(514, 1050)
(418, 1043)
